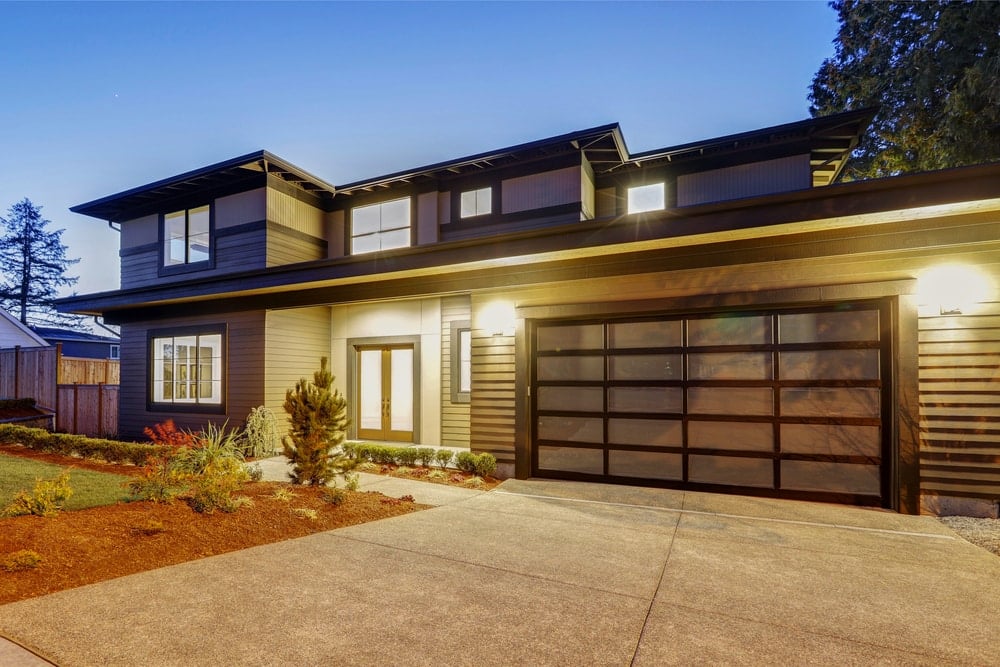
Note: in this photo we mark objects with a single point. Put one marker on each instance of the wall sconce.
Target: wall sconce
(497, 318)
(952, 289)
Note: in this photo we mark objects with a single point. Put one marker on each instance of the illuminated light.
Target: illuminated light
(497, 318)
(953, 289)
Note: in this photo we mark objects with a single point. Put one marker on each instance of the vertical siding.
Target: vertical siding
(587, 204)
(492, 411)
(296, 231)
(551, 188)
(454, 416)
(745, 180)
(243, 372)
(295, 340)
(960, 404)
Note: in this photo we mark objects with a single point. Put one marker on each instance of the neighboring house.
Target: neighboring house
(714, 316)
(81, 344)
(15, 334)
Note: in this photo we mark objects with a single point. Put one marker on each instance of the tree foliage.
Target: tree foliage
(317, 416)
(33, 266)
(932, 68)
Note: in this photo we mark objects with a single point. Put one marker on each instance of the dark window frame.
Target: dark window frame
(349, 223)
(186, 267)
(457, 394)
(153, 335)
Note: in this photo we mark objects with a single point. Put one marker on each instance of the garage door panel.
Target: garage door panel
(830, 477)
(645, 367)
(831, 439)
(737, 436)
(646, 465)
(656, 432)
(830, 401)
(829, 365)
(572, 399)
(571, 459)
(657, 333)
(731, 471)
(571, 429)
(575, 368)
(730, 366)
(570, 337)
(729, 330)
(828, 327)
(650, 400)
(730, 400)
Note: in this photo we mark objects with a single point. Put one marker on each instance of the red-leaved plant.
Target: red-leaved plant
(167, 433)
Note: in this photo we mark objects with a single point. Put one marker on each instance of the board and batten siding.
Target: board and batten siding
(745, 180)
(454, 416)
(960, 404)
(550, 188)
(243, 372)
(296, 230)
(295, 340)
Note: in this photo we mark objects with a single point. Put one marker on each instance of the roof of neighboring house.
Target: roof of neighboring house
(11, 323)
(55, 334)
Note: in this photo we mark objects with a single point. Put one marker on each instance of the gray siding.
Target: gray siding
(551, 188)
(745, 180)
(243, 372)
(294, 342)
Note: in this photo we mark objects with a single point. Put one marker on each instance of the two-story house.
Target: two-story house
(718, 316)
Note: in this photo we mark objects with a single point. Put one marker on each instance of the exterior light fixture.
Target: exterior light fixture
(952, 289)
(497, 318)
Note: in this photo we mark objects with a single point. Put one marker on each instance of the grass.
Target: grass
(90, 488)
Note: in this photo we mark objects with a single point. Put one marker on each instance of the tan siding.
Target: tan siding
(285, 248)
(295, 341)
(960, 404)
(140, 231)
(305, 223)
(745, 180)
(454, 416)
(289, 212)
(587, 205)
(492, 409)
(240, 208)
(551, 188)
(244, 372)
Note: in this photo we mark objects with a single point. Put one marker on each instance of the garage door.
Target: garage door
(789, 403)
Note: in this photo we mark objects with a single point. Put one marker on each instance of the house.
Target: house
(15, 334)
(81, 344)
(719, 316)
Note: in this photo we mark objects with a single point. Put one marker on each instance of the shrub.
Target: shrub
(383, 454)
(407, 456)
(444, 457)
(260, 433)
(46, 499)
(168, 434)
(112, 451)
(214, 469)
(255, 472)
(283, 494)
(486, 465)
(351, 481)
(305, 513)
(333, 495)
(20, 561)
(466, 462)
(318, 421)
(425, 456)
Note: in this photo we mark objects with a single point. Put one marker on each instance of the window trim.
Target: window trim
(187, 267)
(153, 335)
(457, 395)
(411, 201)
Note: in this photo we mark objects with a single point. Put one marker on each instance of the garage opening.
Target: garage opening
(783, 402)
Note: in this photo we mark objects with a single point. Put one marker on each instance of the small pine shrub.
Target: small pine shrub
(443, 457)
(317, 415)
(260, 433)
(486, 465)
(46, 499)
(466, 462)
(19, 561)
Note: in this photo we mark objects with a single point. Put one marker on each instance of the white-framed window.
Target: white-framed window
(651, 197)
(114, 352)
(187, 236)
(461, 362)
(381, 226)
(476, 202)
(187, 369)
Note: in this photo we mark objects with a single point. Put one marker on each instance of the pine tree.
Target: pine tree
(317, 414)
(33, 265)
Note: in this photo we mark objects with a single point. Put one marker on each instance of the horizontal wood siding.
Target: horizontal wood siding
(960, 404)
(295, 341)
(243, 371)
(287, 247)
(492, 408)
(454, 416)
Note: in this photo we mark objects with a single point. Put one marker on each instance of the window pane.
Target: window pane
(571, 368)
(649, 465)
(571, 429)
(401, 400)
(574, 337)
(645, 367)
(571, 399)
(730, 400)
(210, 368)
(370, 372)
(571, 459)
(831, 439)
(830, 402)
(730, 366)
(625, 335)
(730, 330)
(731, 470)
(737, 436)
(365, 219)
(645, 399)
(198, 234)
(661, 432)
(396, 214)
(465, 360)
(830, 365)
(173, 238)
(650, 197)
(399, 238)
(363, 244)
(476, 202)
(833, 477)
(829, 327)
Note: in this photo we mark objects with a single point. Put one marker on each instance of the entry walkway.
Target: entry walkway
(553, 573)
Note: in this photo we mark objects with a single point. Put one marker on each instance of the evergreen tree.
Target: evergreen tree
(317, 414)
(932, 68)
(33, 266)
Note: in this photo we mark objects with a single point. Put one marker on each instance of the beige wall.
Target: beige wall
(294, 342)
(240, 208)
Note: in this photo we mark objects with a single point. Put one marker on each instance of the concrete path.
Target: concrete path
(551, 573)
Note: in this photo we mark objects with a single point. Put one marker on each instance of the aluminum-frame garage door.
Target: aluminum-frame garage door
(783, 402)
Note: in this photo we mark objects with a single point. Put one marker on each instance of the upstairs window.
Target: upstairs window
(642, 198)
(187, 369)
(477, 202)
(187, 236)
(380, 226)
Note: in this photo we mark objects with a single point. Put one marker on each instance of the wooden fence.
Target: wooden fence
(83, 393)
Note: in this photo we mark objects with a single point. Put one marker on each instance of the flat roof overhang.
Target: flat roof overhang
(762, 226)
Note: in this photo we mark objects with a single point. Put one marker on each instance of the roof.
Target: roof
(11, 322)
(54, 334)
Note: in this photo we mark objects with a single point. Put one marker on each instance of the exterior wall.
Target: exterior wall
(745, 180)
(244, 372)
(551, 188)
(588, 206)
(296, 231)
(427, 218)
(240, 208)
(294, 342)
(87, 349)
(413, 318)
(492, 412)
(335, 234)
(454, 416)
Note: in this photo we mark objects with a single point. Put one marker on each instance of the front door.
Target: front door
(385, 392)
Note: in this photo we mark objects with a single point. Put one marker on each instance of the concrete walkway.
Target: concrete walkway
(552, 573)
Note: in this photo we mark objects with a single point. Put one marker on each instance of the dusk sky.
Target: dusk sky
(100, 98)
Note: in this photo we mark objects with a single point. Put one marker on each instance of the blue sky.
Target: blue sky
(96, 98)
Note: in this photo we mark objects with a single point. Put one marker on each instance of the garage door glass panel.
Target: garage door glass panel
(571, 459)
(649, 465)
(732, 471)
(730, 366)
(830, 365)
(571, 429)
(659, 432)
(645, 367)
(828, 327)
(575, 337)
(570, 368)
(730, 400)
(831, 439)
(626, 335)
(731, 435)
(645, 399)
(734, 330)
(571, 399)
(831, 477)
(830, 402)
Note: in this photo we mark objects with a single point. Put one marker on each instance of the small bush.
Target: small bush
(352, 481)
(255, 472)
(167, 433)
(383, 454)
(425, 456)
(19, 561)
(333, 495)
(466, 462)
(305, 513)
(407, 456)
(475, 482)
(403, 470)
(46, 499)
(444, 457)
(486, 465)
(283, 494)
(260, 433)
(437, 474)
(112, 451)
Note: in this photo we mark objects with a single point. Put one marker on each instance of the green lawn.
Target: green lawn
(90, 488)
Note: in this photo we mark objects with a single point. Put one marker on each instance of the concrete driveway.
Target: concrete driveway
(551, 573)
